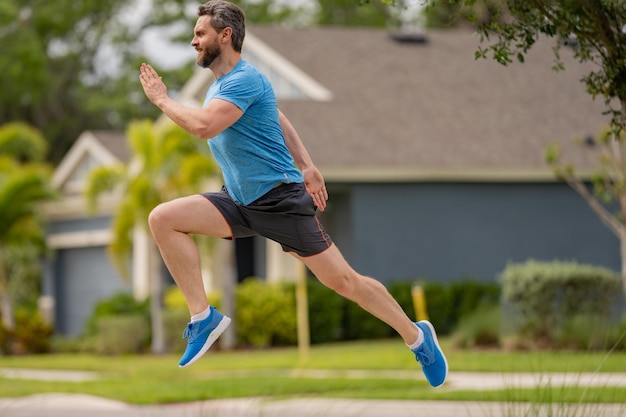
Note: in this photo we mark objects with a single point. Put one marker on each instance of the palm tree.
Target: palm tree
(24, 183)
(166, 163)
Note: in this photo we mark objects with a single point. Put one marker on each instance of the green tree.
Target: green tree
(71, 65)
(595, 29)
(268, 11)
(166, 163)
(24, 183)
(452, 13)
(364, 13)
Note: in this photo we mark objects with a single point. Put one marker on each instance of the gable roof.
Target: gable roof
(92, 148)
(431, 111)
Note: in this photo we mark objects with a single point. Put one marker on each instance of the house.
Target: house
(433, 161)
(78, 273)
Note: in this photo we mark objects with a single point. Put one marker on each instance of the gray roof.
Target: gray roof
(115, 142)
(431, 110)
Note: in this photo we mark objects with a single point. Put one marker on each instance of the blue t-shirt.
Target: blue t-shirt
(252, 152)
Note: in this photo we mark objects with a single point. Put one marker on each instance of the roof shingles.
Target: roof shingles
(432, 105)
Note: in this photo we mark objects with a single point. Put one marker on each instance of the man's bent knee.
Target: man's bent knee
(344, 285)
(157, 218)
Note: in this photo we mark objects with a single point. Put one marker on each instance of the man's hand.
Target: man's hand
(152, 84)
(314, 183)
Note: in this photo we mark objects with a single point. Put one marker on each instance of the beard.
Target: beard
(208, 55)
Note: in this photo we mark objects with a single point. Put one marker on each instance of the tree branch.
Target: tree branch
(605, 216)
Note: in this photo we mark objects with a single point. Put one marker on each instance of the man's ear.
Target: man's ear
(226, 34)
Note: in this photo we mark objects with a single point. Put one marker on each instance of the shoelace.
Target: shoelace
(188, 332)
(425, 355)
(424, 359)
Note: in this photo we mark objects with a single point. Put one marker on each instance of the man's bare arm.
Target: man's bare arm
(203, 123)
(313, 179)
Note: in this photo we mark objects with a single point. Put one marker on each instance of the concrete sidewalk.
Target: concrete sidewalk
(78, 405)
(74, 405)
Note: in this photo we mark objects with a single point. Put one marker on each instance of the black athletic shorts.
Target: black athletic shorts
(286, 214)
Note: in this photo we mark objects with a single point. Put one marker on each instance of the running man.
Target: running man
(272, 188)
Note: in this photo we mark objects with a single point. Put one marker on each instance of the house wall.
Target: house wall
(436, 231)
(84, 276)
(448, 231)
(78, 275)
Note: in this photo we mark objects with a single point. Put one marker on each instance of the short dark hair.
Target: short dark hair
(226, 14)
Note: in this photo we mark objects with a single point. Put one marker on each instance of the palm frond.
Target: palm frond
(22, 142)
(100, 180)
(20, 192)
(142, 138)
(196, 169)
(166, 163)
(120, 248)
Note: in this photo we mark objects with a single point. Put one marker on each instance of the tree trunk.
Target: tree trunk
(156, 301)
(7, 310)
(623, 256)
(8, 319)
(302, 315)
(227, 273)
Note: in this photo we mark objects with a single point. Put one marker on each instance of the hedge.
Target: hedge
(546, 296)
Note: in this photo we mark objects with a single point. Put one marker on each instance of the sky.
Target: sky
(155, 41)
(165, 54)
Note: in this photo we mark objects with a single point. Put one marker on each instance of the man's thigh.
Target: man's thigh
(328, 266)
(195, 214)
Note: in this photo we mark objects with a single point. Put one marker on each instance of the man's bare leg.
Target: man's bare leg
(171, 223)
(332, 270)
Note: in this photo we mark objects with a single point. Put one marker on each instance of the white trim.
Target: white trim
(190, 92)
(72, 207)
(411, 174)
(86, 144)
(73, 240)
(192, 88)
(289, 71)
(141, 263)
(280, 266)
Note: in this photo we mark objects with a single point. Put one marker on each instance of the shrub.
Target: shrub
(5, 339)
(616, 337)
(545, 295)
(468, 296)
(117, 335)
(569, 335)
(401, 291)
(173, 299)
(120, 304)
(359, 324)
(439, 307)
(79, 344)
(30, 335)
(481, 328)
(266, 313)
(174, 322)
(450, 302)
(325, 313)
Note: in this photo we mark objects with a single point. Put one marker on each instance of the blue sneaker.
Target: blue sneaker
(430, 356)
(201, 335)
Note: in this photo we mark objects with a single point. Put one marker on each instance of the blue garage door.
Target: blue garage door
(83, 277)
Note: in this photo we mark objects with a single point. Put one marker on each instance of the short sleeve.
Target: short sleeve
(242, 89)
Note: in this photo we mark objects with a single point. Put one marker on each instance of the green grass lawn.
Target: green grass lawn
(279, 372)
